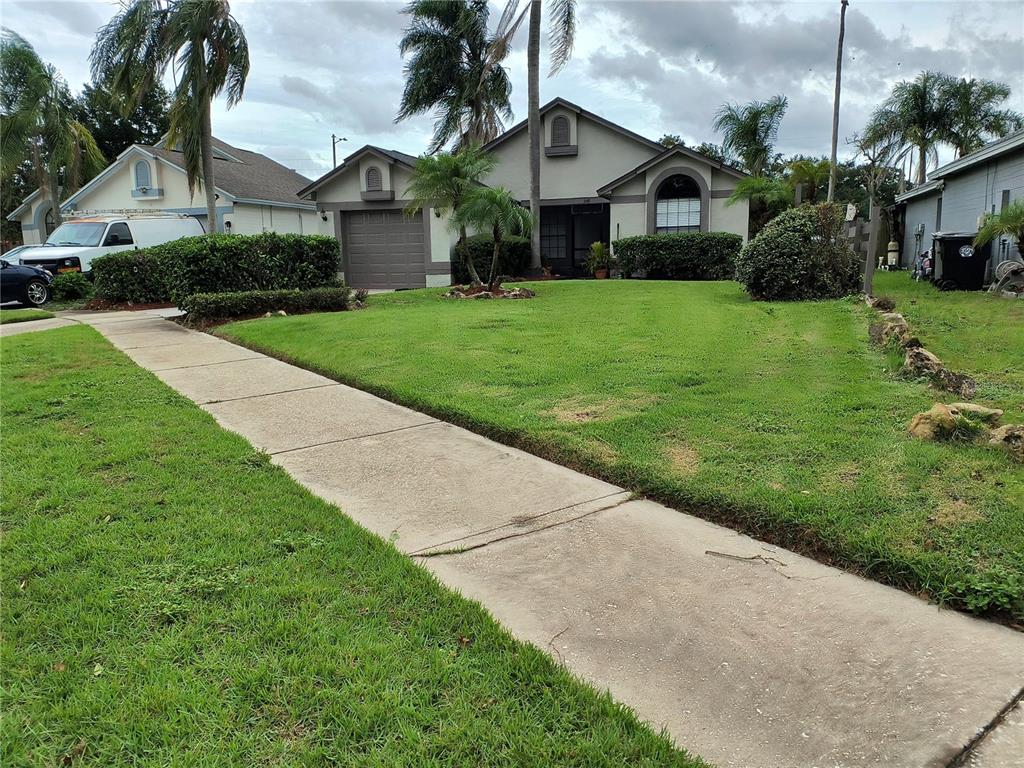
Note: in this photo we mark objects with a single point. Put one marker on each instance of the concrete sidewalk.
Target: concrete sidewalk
(748, 654)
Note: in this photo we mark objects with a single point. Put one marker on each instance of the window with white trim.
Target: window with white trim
(373, 180)
(678, 206)
(142, 177)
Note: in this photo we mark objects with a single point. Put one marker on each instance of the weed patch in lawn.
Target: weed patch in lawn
(169, 596)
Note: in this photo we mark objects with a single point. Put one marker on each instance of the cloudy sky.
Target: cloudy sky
(323, 66)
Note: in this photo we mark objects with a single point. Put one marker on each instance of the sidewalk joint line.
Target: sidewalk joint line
(960, 759)
(199, 365)
(354, 437)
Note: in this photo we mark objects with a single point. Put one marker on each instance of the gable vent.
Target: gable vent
(373, 183)
(560, 131)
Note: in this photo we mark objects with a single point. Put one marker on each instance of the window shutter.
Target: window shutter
(560, 132)
(373, 183)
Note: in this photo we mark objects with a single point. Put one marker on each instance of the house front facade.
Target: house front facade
(599, 182)
(254, 193)
(958, 195)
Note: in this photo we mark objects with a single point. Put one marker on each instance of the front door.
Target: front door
(589, 225)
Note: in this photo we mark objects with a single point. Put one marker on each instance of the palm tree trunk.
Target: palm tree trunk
(467, 257)
(206, 148)
(533, 123)
(922, 161)
(493, 278)
(50, 185)
(835, 104)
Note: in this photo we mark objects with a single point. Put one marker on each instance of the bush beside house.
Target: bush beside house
(682, 256)
(513, 259)
(801, 254)
(203, 307)
(217, 264)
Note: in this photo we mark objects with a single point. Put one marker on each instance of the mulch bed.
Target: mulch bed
(483, 292)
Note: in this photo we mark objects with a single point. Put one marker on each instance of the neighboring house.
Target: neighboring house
(254, 193)
(959, 194)
(599, 182)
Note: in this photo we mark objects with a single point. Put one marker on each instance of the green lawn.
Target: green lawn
(779, 419)
(23, 315)
(972, 332)
(169, 597)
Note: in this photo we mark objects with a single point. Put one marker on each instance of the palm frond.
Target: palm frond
(561, 33)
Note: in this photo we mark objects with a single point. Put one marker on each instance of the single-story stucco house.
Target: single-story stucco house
(254, 193)
(599, 182)
(958, 195)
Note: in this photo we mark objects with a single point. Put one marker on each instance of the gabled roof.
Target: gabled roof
(935, 185)
(26, 203)
(388, 155)
(676, 150)
(989, 152)
(238, 174)
(566, 104)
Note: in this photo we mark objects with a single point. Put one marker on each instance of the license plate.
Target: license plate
(69, 269)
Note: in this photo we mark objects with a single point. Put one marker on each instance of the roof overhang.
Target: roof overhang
(276, 203)
(347, 164)
(1011, 143)
(677, 150)
(25, 205)
(927, 188)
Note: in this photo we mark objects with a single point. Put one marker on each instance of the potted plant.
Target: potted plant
(599, 261)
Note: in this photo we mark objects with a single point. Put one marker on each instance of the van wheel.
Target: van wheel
(36, 293)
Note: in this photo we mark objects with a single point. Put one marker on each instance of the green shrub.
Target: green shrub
(220, 306)
(68, 286)
(801, 254)
(513, 259)
(218, 263)
(598, 257)
(682, 256)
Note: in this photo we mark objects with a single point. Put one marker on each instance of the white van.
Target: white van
(85, 236)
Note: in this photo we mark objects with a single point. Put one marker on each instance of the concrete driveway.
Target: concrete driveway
(750, 655)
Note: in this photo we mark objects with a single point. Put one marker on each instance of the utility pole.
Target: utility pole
(835, 104)
(334, 148)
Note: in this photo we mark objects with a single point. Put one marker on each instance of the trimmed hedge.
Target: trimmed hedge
(801, 254)
(68, 286)
(680, 256)
(217, 263)
(513, 261)
(221, 306)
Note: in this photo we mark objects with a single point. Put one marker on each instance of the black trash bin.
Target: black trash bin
(960, 265)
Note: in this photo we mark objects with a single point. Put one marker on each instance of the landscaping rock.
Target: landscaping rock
(1011, 438)
(937, 423)
(883, 304)
(893, 326)
(979, 412)
(919, 362)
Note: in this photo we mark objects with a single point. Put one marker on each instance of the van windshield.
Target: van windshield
(77, 233)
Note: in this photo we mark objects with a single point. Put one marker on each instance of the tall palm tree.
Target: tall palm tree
(455, 69)
(443, 181)
(751, 130)
(493, 209)
(561, 36)
(914, 114)
(973, 113)
(209, 54)
(37, 124)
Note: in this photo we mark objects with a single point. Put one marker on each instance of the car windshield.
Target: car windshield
(77, 233)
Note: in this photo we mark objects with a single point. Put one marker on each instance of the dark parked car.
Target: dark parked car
(20, 282)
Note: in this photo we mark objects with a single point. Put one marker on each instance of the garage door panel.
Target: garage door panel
(385, 249)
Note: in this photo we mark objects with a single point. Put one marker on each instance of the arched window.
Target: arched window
(678, 207)
(373, 179)
(142, 178)
(560, 131)
(49, 222)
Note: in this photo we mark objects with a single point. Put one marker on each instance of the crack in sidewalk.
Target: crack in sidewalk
(427, 552)
(960, 759)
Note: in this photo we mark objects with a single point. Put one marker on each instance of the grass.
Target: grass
(975, 333)
(23, 315)
(172, 598)
(778, 419)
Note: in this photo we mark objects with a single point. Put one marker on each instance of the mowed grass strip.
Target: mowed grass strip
(23, 315)
(172, 598)
(776, 418)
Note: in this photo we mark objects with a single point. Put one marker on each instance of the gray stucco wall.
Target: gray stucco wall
(920, 210)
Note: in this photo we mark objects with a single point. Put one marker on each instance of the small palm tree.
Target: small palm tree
(973, 113)
(751, 130)
(812, 174)
(37, 124)
(443, 181)
(209, 53)
(493, 209)
(1008, 222)
(455, 69)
